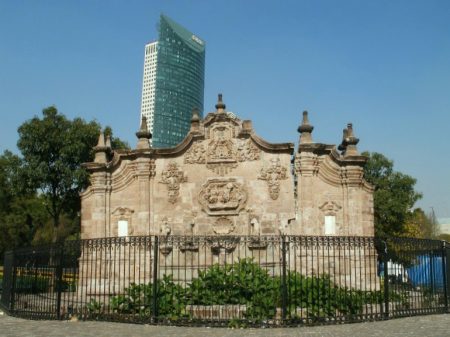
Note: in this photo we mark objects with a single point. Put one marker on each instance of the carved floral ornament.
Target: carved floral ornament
(222, 196)
(196, 154)
(172, 176)
(272, 175)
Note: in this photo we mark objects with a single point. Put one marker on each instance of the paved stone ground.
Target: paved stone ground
(420, 326)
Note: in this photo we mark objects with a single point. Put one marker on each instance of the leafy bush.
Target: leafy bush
(244, 282)
(31, 284)
(138, 299)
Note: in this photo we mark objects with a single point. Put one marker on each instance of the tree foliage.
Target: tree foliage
(53, 149)
(394, 195)
(39, 191)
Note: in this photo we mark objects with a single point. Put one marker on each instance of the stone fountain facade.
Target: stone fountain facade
(224, 180)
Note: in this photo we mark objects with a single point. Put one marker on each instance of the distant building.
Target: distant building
(173, 82)
(444, 225)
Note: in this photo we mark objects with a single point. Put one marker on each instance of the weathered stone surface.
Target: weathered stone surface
(225, 180)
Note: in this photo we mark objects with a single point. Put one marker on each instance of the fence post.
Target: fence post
(283, 278)
(155, 280)
(12, 282)
(59, 280)
(445, 276)
(386, 280)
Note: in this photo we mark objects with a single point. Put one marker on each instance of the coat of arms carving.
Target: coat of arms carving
(222, 196)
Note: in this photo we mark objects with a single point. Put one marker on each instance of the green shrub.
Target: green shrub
(244, 282)
(31, 284)
(138, 299)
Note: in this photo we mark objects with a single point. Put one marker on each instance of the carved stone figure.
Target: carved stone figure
(222, 196)
(172, 176)
(273, 174)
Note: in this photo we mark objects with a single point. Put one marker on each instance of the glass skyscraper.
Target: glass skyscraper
(173, 83)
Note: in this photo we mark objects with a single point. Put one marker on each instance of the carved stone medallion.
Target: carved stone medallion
(172, 176)
(222, 196)
(223, 226)
(273, 174)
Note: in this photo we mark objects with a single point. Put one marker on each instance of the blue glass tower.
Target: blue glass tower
(174, 77)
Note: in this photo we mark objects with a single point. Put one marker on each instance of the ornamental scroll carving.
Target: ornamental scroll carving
(222, 196)
(273, 174)
(330, 207)
(247, 151)
(196, 154)
(172, 176)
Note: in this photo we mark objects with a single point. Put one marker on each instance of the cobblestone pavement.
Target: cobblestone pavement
(420, 326)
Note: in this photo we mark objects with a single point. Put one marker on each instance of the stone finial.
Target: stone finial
(143, 135)
(305, 130)
(195, 120)
(108, 142)
(349, 142)
(101, 150)
(343, 144)
(220, 106)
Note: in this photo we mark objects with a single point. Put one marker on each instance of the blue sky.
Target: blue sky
(382, 65)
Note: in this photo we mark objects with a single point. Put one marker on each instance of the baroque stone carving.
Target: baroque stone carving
(248, 151)
(196, 154)
(222, 196)
(123, 213)
(172, 176)
(226, 243)
(223, 225)
(221, 154)
(330, 207)
(273, 174)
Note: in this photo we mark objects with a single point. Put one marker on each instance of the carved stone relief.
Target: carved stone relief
(172, 176)
(222, 196)
(224, 151)
(221, 153)
(223, 226)
(330, 207)
(196, 154)
(273, 174)
(226, 244)
(247, 151)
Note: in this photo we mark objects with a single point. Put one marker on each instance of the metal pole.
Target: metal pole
(386, 281)
(155, 280)
(59, 275)
(283, 279)
(444, 274)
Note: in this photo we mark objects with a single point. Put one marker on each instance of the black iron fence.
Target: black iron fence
(228, 280)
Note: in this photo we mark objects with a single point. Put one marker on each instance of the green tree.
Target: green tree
(394, 195)
(22, 211)
(420, 225)
(53, 149)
